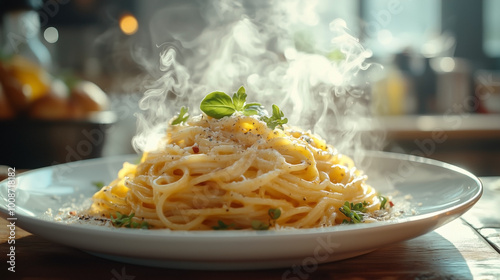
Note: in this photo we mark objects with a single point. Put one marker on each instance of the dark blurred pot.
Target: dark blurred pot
(27, 143)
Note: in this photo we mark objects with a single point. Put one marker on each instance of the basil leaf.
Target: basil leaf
(276, 120)
(239, 99)
(250, 112)
(182, 117)
(252, 109)
(217, 105)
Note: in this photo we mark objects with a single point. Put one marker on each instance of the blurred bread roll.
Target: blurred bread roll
(89, 97)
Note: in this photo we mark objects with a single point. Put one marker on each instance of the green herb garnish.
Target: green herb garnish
(222, 226)
(336, 55)
(98, 184)
(239, 99)
(259, 225)
(383, 201)
(353, 212)
(182, 117)
(250, 109)
(277, 119)
(122, 220)
(274, 213)
(218, 104)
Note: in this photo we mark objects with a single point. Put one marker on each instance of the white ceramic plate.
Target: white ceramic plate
(439, 193)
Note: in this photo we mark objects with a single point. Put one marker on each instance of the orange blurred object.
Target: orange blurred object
(30, 91)
(89, 97)
(30, 74)
(53, 105)
(14, 90)
(49, 107)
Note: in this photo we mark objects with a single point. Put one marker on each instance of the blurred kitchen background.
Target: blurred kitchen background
(437, 94)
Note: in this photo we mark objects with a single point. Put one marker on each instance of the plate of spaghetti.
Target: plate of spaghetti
(238, 188)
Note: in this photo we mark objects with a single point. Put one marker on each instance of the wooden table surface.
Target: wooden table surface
(466, 248)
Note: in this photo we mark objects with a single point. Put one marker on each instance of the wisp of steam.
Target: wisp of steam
(254, 44)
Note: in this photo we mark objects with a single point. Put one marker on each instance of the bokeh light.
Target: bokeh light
(51, 35)
(129, 24)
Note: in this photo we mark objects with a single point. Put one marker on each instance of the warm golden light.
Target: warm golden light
(128, 24)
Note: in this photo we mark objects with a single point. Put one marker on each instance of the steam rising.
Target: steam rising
(254, 44)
